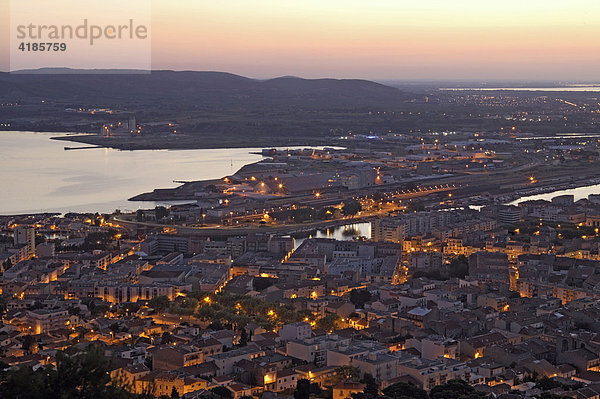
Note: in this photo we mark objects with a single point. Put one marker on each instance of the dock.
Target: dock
(83, 148)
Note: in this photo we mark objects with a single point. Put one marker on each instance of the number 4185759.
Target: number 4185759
(43, 46)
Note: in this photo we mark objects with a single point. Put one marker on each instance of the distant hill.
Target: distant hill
(191, 89)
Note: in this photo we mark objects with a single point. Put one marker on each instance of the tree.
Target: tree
(532, 377)
(100, 309)
(456, 389)
(174, 393)
(74, 310)
(360, 297)
(166, 338)
(159, 303)
(98, 240)
(78, 375)
(328, 322)
(345, 373)
(300, 215)
(148, 362)
(3, 366)
(133, 307)
(546, 384)
(39, 239)
(548, 395)
(302, 389)
(114, 327)
(459, 267)
(24, 383)
(222, 392)
(351, 207)
(244, 337)
(404, 390)
(215, 325)
(371, 388)
(416, 206)
(28, 342)
(83, 373)
(326, 213)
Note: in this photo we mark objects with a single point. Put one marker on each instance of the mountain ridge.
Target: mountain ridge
(179, 87)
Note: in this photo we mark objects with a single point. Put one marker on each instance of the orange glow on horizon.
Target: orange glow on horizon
(385, 39)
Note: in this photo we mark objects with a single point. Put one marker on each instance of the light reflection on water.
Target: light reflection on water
(579, 193)
(348, 232)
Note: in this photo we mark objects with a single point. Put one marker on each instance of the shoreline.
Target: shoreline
(543, 190)
(187, 142)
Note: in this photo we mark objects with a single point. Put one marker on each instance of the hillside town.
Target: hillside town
(497, 301)
(300, 199)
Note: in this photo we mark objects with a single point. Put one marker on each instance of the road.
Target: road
(273, 228)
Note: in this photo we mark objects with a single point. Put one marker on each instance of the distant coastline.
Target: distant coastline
(191, 142)
(573, 88)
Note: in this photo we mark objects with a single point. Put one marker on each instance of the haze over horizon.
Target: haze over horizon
(387, 40)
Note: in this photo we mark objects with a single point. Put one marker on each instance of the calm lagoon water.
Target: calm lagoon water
(348, 232)
(38, 175)
(578, 193)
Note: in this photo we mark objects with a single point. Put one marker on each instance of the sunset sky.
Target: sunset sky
(378, 39)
